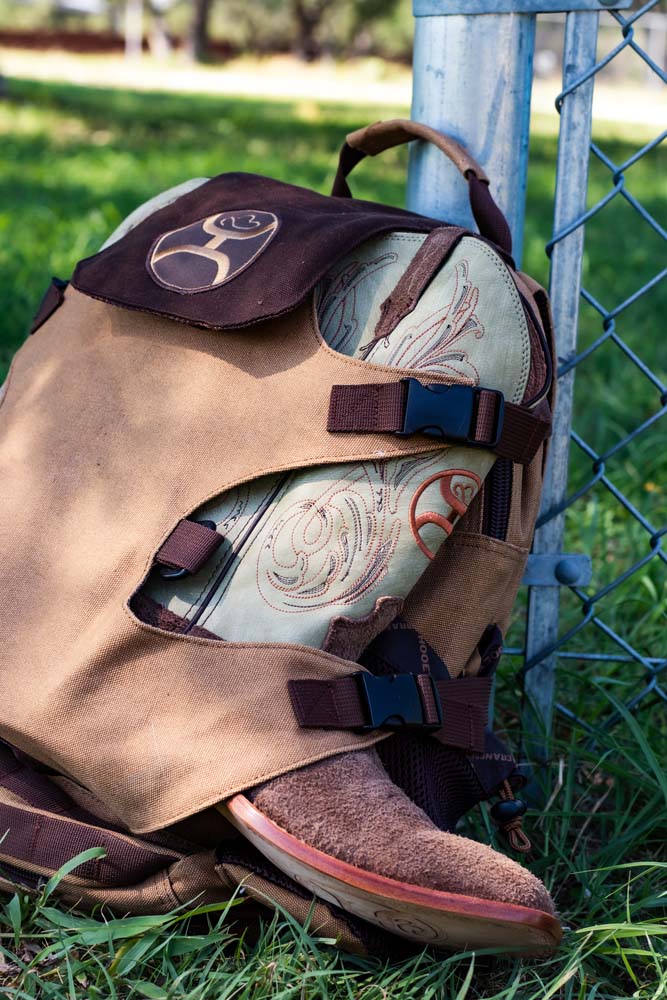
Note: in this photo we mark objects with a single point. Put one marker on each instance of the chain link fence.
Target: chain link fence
(607, 494)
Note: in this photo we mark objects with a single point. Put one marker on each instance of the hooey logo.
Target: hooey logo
(211, 251)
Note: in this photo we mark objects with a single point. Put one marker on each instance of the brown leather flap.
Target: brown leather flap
(239, 249)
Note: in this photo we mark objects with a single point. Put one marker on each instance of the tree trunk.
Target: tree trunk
(307, 20)
(134, 20)
(159, 41)
(197, 46)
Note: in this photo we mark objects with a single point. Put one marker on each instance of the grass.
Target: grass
(600, 848)
(75, 162)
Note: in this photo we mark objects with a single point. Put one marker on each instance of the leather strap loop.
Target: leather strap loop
(374, 139)
(189, 546)
(490, 220)
(428, 260)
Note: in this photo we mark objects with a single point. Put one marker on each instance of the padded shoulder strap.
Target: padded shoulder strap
(37, 832)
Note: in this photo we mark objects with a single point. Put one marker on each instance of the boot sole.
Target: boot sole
(429, 916)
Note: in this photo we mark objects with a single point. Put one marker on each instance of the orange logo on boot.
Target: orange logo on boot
(457, 489)
(211, 251)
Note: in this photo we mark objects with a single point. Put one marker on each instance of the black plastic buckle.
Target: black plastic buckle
(393, 701)
(447, 411)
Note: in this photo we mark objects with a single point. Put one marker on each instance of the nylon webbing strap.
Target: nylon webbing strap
(465, 712)
(457, 413)
(189, 546)
(48, 841)
(454, 711)
(33, 788)
(40, 833)
(370, 407)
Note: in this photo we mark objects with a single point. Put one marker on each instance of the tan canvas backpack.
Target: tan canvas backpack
(271, 463)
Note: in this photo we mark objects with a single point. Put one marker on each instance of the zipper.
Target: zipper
(497, 499)
(237, 548)
(531, 321)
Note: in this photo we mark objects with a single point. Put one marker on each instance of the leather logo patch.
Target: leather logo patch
(210, 252)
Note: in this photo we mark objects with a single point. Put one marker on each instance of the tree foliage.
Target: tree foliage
(308, 28)
(311, 28)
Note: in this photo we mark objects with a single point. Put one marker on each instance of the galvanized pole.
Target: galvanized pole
(565, 285)
(472, 79)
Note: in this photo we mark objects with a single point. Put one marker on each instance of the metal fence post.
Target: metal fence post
(472, 79)
(565, 287)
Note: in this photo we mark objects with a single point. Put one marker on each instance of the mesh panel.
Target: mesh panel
(443, 781)
(439, 780)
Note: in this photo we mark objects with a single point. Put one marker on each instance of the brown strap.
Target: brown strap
(465, 712)
(375, 138)
(459, 414)
(48, 841)
(455, 711)
(490, 220)
(29, 785)
(426, 263)
(334, 704)
(524, 432)
(189, 546)
(367, 407)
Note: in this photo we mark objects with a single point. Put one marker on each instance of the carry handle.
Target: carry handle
(374, 139)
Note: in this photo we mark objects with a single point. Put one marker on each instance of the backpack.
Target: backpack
(268, 451)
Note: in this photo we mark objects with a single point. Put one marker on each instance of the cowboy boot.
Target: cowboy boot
(345, 831)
